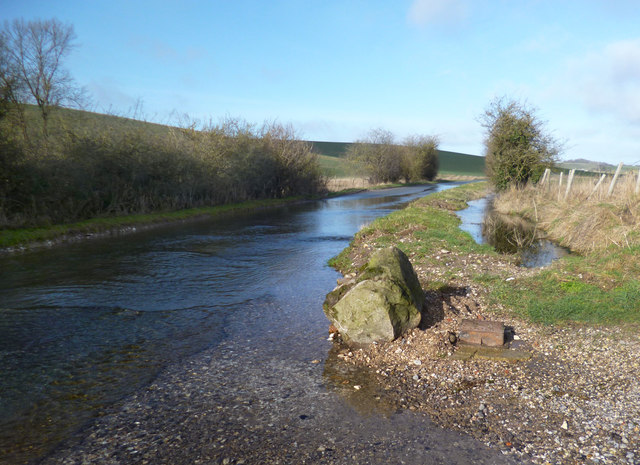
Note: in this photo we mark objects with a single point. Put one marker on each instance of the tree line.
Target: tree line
(54, 170)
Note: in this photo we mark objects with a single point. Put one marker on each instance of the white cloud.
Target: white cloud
(608, 81)
(423, 12)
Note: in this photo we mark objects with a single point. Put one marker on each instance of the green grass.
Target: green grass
(80, 120)
(461, 163)
(554, 296)
(601, 288)
(21, 237)
(331, 149)
(430, 222)
(334, 167)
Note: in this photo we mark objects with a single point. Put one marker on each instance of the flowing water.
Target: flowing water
(84, 326)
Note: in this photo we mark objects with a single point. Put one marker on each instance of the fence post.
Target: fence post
(613, 181)
(560, 186)
(569, 182)
(638, 184)
(597, 185)
(545, 176)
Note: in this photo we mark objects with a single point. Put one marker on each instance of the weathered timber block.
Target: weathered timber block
(482, 332)
(469, 351)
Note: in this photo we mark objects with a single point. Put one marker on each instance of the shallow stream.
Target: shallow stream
(222, 316)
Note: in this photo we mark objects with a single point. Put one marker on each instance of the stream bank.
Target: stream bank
(576, 400)
(201, 342)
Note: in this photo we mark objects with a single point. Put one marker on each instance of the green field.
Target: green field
(332, 160)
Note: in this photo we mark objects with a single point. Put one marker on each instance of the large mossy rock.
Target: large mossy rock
(381, 304)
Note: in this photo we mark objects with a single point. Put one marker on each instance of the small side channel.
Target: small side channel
(509, 235)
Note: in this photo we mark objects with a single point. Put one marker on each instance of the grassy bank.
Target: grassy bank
(32, 236)
(12, 239)
(587, 218)
(601, 287)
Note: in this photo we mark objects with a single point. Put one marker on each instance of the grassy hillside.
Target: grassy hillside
(87, 121)
(331, 154)
(461, 163)
(335, 167)
(333, 164)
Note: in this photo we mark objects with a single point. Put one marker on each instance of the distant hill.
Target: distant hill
(461, 163)
(450, 162)
(592, 166)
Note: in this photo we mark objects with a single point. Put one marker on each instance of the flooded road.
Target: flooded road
(224, 319)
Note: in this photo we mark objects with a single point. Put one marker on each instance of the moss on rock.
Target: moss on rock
(381, 304)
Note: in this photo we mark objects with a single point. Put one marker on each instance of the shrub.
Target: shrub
(421, 154)
(93, 172)
(377, 156)
(517, 147)
(382, 160)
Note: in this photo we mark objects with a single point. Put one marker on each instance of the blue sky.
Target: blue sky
(336, 69)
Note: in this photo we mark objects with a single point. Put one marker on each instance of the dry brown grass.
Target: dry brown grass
(341, 184)
(586, 219)
(459, 177)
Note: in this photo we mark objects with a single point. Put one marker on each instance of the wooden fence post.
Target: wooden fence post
(638, 184)
(545, 176)
(597, 185)
(613, 181)
(569, 182)
(560, 186)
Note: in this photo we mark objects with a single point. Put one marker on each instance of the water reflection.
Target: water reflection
(509, 234)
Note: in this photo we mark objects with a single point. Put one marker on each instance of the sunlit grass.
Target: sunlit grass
(601, 287)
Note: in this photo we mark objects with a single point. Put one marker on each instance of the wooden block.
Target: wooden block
(482, 332)
(472, 351)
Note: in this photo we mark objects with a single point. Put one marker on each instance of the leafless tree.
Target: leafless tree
(378, 156)
(34, 52)
(12, 89)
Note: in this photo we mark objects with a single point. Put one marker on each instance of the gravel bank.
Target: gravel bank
(241, 403)
(577, 400)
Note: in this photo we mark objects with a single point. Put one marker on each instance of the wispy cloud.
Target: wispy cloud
(424, 12)
(164, 52)
(608, 81)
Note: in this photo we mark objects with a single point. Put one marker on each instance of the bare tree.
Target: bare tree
(34, 52)
(378, 156)
(12, 89)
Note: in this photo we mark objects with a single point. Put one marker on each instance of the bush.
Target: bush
(517, 147)
(382, 160)
(377, 156)
(421, 158)
(113, 171)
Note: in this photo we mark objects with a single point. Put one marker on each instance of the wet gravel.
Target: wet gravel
(576, 401)
(243, 403)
